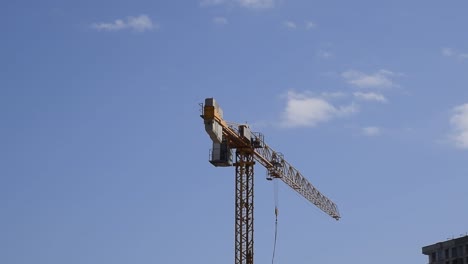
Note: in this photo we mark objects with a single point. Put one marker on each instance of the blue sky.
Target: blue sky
(105, 159)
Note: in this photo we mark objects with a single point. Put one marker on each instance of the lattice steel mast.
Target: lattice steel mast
(250, 146)
(244, 206)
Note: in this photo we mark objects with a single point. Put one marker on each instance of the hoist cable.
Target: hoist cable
(275, 194)
(274, 245)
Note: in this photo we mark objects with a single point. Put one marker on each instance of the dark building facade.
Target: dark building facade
(454, 251)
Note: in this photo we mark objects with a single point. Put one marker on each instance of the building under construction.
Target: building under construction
(453, 251)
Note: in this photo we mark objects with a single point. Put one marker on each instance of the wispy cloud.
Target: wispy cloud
(293, 25)
(140, 23)
(212, 2)
(289, 25)
(449, 52)
(220, 20)
(371, 131)
(251, 4)
(377, 97)
(333, 95)
(379, 79)
(459, 122)
(310, 25)
(257, 3)
(324, 54)
(306, 110)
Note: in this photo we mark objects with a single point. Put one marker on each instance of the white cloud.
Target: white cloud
(449, 52)
(252, 4)
(371, 131)
(116, 25)
(220, 20)
(380, 79)
(305, 110)
(377, 97)
(324, 54)
(293, 25)
(459, 122)
(257, 4)
(140, 23)
(310, 25)
(333, 95)
(211, 2)
(290, 24)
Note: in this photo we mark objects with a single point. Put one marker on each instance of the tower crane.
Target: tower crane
(250, 147)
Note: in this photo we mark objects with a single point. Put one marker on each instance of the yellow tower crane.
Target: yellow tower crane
(250, 147)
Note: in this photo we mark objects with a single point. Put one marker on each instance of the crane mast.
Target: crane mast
(250, 147)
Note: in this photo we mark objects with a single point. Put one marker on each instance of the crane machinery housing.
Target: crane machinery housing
(250, 147)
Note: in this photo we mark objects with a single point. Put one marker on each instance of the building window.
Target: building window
(433, 257)
(454, 252)
(446, 254)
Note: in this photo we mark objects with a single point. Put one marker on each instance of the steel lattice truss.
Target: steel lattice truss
(244, 207)
(279, 168)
